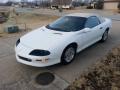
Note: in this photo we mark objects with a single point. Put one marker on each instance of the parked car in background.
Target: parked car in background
(2, 19)
(59, 41)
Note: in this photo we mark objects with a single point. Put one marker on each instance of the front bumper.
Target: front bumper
(36, 62)
(22, 56)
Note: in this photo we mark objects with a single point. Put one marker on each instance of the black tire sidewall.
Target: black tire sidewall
(63, 61)
(103, 40)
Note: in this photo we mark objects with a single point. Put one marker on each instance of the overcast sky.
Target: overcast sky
(19, 0)
(11, 0)
(6, 0)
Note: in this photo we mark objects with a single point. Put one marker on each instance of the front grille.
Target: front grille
(25, 59)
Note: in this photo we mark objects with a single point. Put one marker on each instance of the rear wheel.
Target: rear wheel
(105, 36)
(68, 55)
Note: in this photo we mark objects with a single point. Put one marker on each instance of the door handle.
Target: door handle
(101, 27)
(86, 31)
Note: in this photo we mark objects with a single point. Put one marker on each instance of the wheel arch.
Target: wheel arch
(107, 29)
(74, 44)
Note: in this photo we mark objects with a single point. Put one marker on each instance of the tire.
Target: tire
(68, 55)
(105, 36)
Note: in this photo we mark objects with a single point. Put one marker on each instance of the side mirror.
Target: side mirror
(86, 30)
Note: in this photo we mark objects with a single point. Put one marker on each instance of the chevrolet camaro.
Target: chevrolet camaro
(59, 41)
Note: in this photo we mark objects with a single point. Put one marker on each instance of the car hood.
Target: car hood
(44, 38)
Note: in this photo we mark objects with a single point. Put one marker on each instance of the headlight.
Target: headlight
(18, 41)
(40, 53)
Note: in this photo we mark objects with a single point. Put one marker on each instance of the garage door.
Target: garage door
(110, 5)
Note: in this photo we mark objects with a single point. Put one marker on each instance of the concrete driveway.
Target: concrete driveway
(16, 76)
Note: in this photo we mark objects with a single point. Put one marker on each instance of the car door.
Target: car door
(93, 35)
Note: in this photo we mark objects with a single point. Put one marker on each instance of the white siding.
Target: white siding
(110, 5)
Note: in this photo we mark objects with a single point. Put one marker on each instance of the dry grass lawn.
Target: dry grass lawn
(28, 21)
(104, 75)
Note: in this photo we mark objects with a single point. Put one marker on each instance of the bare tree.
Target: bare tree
(118, 5)
(9, 2)
(24, 1)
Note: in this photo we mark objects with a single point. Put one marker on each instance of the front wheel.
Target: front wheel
(68, 55)
(105, 36)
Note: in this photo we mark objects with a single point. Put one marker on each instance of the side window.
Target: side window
(101, 19)
(92, 22)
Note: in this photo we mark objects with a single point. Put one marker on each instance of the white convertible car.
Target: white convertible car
(59, 41)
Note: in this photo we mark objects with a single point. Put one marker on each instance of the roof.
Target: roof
(111, 0)
(4, 9)
(82, 14)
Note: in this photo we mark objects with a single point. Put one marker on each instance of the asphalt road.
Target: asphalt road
(16, 76)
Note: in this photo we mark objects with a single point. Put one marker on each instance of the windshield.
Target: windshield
(68, 24)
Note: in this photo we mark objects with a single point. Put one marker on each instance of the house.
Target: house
(65, 4)
(111, 4)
